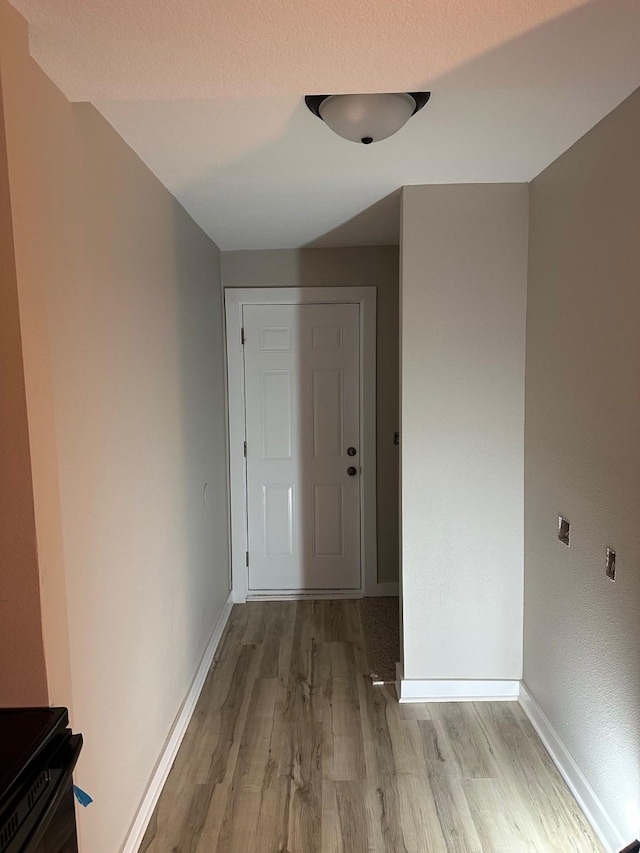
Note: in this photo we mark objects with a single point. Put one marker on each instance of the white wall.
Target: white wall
(354, 266)
(463, 302)
(582, 632)
(121, 323)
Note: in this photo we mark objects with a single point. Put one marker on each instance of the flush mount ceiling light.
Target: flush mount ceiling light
(367, 118)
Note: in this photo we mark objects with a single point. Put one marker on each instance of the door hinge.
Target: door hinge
(245, 450)
(246, 558)
(242, 337)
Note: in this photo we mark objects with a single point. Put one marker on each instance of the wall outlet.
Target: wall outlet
(564, 527)
(610, 565)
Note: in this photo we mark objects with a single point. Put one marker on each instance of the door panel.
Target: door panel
(277, 414)
(278, 514)
(302, 404)
(328, 413)
(328, 520)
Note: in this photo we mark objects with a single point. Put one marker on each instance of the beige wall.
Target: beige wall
(120, 306)
(463, 299)
(22, 670)
(348, 267)
(582, 632)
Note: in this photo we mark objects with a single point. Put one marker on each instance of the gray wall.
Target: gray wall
(347, 267)
(582, 632)
(121, 326)
(463, 302)
(23, 679)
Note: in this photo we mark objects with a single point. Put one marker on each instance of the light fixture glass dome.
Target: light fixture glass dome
(366, 118)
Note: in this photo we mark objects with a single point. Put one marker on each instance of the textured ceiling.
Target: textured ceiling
(210, 96)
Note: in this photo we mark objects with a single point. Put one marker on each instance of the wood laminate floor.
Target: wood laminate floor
(293, 750)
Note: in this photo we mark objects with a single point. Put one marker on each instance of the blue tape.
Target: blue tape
(82, 797)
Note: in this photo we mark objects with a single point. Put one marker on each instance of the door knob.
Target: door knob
(351, 471)
(351, 451)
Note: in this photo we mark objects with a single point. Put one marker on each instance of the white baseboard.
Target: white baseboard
(376, 591)
(311, 595)
(586, 797)
(170, 749)
(455, 689)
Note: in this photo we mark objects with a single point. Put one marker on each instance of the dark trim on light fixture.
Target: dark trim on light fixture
(314, 101)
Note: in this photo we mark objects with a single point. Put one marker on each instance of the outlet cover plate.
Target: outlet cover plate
(610, 565)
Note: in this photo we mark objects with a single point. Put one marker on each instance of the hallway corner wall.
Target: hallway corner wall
(463, 303)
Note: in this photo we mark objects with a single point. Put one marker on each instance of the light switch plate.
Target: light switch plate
(564, 527)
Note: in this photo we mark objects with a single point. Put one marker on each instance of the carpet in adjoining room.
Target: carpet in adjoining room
(381, 627)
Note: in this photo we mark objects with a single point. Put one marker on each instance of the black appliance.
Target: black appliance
(37, 755)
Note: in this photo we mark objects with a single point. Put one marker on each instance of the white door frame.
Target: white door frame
(235, 299)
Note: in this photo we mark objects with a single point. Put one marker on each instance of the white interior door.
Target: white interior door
(302, 388)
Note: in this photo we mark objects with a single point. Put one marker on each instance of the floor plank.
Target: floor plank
(291, 749)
